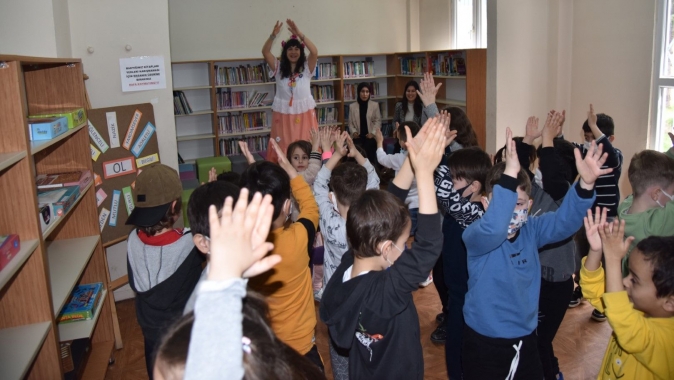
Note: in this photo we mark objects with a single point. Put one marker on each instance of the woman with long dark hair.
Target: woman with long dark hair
(364, 122)
(293, 108)
(416, 105)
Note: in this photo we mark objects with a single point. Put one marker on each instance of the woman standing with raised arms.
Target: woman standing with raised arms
(293, 108)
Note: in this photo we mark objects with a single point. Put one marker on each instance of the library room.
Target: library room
(249, 189)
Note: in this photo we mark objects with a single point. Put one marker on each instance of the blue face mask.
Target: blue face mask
(518, 220)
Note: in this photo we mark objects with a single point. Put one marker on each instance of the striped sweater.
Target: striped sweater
(606, 187)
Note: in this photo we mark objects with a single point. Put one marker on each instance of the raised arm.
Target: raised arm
(266, 48)
(613, 160)
(550, 164)
(427, 95)
(313, 51)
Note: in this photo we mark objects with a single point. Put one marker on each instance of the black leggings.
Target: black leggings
(552, 304)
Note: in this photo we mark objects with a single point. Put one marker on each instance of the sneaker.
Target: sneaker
(439, 335)
(440, 318)
(576, 297)
(598, 316)
(428, 281)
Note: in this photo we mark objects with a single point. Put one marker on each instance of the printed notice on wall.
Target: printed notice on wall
(142, 73)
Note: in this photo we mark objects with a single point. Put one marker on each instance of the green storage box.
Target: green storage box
(221, 164)
(186, 200)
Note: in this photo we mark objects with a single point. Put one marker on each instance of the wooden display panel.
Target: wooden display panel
(124, 115)
(13, 125)
(476, 92)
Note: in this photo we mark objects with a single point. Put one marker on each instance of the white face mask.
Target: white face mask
(518, 220)
(587, 145)
(671, 198)
(386, 258)
(333, 200)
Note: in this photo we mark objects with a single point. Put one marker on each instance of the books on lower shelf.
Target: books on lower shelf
(255, 144)
(354, 69)
(326, 115)
(57, 180)
(180, 104)
(246, 122)
(413, 65)
(351, 89)
(228, 99)
(323, 93)
(83, 302)
(226, 76)
(325, 71)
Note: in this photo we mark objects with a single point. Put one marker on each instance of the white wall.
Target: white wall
(27, 28)
(206, 29)
(435, 24)
(612, 64)
(108, 26)
(62, 28)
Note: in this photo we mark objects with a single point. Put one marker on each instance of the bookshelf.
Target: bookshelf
(36, 283)
(200, 134)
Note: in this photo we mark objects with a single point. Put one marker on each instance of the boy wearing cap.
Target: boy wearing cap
(162, 262)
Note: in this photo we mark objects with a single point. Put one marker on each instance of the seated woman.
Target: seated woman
(364, 122)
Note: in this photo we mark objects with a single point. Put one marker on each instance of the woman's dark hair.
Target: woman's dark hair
(465, 134)
(285, 70)
(167, 220)
(418, 104)
(267, 178)
(269, 357)
(361, 86)
(302, 144)
(375, 217)
(402, 134)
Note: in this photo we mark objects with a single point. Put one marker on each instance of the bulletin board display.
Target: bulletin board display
(123, 140)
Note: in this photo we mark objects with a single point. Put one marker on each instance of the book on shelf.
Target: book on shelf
(82, 303)
(323, 93)
(448, 64)
(10, 245)
(255, 144)
(325, 71)
(413, 65)
(180, 104)
(228, 99)
(248, 74)
(326, 115)
(246, 122)
(59, 199)
(51, 181)
(351, 89)
(356, 69)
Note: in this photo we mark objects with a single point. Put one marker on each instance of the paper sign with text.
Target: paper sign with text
(133, 126)
(97, 138)
(116, 168)
(113, 131)
(142, 73)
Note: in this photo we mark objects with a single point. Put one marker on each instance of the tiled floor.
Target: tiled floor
(579, 345)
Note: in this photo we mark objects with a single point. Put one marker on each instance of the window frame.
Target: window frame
(658, 80)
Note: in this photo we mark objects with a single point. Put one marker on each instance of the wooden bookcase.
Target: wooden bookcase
(36, 283)
(199, 132)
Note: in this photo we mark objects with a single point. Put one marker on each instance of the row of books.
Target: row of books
(241, 74)
(180, 104)
(326, 115)
(246, 122)
(228, 99)
(230, 147)
(355, 69)
(449, 65)
(413, 66)
(323, 93)
(325, 71)
(351, 90)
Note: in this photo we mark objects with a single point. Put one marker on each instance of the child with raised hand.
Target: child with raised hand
(368, 303)
(640, 307)
(395, 162)
(288, 288)
(504, 273)
(348, 181)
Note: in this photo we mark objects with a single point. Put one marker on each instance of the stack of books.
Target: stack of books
(227, 76)
(357, 69)
(325, 71)
(180, 104)
(246, 122)
(323, 93)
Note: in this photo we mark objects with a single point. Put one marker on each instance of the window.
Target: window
(662, 98)
(470, 24)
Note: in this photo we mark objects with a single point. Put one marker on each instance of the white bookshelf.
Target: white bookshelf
(19, 347)
(9, 159)
(67, 260)
(82, 329)
(26, 249)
